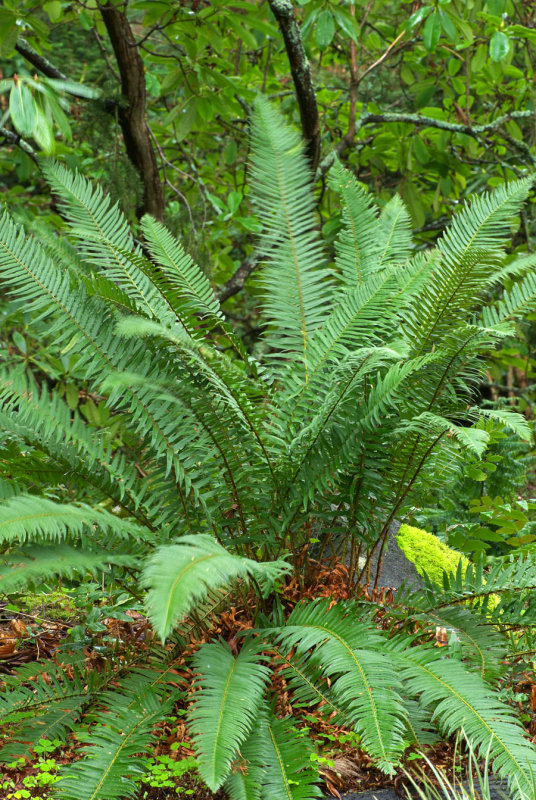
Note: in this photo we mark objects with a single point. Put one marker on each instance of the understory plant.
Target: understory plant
(237, 467)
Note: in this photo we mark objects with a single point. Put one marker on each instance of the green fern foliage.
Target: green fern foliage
(461, 700)
(361, 676)
(113, 765)
(281, 757)
(296, 279)
(180, 575)
(184, 461)
(41, 709)
(226, 707)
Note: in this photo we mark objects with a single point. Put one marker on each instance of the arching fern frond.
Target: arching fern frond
(462, 700)
(113, 765)
(358, 243)
(352, 655)
(395, 238)
(33, 565)
(39, 708)
(103, 235)
(37, 519)
(179, 575)
(280, 760)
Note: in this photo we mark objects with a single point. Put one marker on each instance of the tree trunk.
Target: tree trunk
(132, 113)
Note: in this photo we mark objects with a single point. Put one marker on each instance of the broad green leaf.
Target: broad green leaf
(496, 7)
(417, 17)
(346, 23)
(447, 24)
(72, 87)
(22, 108)
(42, 131)
(53, 9)
(325, 29)
(8, 39)
(432, 31)
(499, 46)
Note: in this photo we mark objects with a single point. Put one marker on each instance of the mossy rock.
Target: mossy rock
(430, 556)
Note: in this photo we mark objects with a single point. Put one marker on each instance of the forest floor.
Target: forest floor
(45, 636)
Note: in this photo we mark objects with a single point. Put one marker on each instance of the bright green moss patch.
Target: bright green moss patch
(429, 555)
(54, 605)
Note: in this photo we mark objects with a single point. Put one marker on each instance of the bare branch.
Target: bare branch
(38, 61)
(237, 281)
(14, 138)
(430, 122)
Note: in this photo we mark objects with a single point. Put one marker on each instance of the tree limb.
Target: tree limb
(301, 75)
(14, 138)
(38, 61)
(131, 116)
(430, 122)
(237, 281)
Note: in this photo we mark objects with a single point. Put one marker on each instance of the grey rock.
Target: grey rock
(396, 569)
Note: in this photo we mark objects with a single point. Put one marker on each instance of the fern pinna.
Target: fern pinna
(355, 402)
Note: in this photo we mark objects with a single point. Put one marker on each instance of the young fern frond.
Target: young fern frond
(358, 243)
(395, 238)
(296, 279)
(231, 693)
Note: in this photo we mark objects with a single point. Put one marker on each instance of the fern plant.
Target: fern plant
(357, 401)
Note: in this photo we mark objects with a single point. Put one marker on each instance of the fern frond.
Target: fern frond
(179, 575)
(482, 645)
(282, 756)
(33, 565)
(226, 705)
(40, 708)
(112, 763)
(362, 676)
(395, 235)
(511, 420)
(470, 250)
(461, 700)
(358, 243)
(29, 518)
(296, 280)
(185, 287)
(514, 304)
(103, 235)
